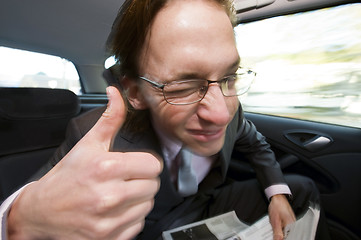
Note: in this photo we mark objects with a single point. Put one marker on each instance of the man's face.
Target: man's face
(190, 39)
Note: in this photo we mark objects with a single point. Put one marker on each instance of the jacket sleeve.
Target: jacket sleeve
(252, 144)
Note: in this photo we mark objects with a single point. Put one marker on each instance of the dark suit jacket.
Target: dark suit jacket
(241, 136)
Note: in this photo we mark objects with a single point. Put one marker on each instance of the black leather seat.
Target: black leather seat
(32, 124)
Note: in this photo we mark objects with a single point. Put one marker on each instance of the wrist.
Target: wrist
(18, 224)
(288, 197)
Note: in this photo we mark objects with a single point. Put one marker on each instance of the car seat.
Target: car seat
(32, 125)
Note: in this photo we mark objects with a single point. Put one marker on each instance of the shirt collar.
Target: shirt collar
(170, 146)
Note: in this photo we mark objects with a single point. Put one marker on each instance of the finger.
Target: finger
(111, 121)
(131, 165)
(142, 190)
(135, 216)
(131, 231)
(139, 213)
(277, 236)
(117, 195)
(125, 216)
(277, 233)
(292, 219)
(111, 225)
(277, 229)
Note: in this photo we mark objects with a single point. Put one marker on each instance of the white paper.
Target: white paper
(228, 227)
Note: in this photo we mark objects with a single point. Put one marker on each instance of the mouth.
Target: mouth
(207, 135)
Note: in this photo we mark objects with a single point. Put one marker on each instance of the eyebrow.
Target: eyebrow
(192, 75)
(236, 64)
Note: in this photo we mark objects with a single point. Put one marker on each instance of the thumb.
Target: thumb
(111, 120)
(277, 230)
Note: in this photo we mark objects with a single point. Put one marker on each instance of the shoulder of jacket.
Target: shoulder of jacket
(85, 121)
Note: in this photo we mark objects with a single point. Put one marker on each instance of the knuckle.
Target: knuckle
(102, 229)
(150, 205)
(139, 226)
(117, 195)
(158, 184)
(154, 186)
(151, 188)
(105, 203)
(131, 231)
(104, 168)
(92, 228)
(154, 162)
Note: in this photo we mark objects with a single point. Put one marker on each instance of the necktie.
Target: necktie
(187, 180)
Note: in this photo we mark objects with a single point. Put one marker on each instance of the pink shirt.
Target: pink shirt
(170, 148)
(201, 165)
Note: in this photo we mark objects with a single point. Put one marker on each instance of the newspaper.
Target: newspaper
(228, 227)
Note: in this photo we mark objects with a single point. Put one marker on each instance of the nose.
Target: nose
(213, 107)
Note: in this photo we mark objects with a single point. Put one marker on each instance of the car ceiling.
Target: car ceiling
(77, 29)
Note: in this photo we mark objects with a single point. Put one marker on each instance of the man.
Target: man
(166, 50)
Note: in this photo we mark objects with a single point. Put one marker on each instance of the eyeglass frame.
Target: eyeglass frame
(162, 85)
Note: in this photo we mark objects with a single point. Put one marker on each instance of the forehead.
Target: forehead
(186, 33)
(188, 19)
(189, 11)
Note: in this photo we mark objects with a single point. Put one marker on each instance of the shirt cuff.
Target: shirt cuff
(277, 189)
(4, 211)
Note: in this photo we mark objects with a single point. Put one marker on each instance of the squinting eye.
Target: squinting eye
(181, 89)
(203, 89)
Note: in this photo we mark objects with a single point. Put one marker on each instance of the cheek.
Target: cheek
(171, 118)
(232, 105)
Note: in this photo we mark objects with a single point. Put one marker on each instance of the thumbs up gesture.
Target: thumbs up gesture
(91, 193)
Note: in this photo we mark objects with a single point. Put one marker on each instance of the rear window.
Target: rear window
(20, 68)
(308, 65)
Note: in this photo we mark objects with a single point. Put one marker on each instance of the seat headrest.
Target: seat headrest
(37, 103)
(34, 118)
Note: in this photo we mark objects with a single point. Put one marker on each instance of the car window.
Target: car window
(308, 65)
(20, 68)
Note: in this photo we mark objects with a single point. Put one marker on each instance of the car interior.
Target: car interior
(33, 119)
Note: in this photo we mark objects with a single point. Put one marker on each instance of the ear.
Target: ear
(133, 94)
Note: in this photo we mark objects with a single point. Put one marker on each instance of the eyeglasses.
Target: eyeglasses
(190, 91)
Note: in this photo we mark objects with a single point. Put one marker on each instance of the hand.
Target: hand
(91, 193)
(281, 214)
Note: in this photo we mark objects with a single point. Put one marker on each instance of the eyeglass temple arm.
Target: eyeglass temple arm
(158, 85)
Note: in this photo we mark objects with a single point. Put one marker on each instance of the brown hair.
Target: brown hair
(131, 26)
(127, 37)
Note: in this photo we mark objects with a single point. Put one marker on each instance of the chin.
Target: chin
(208, 149)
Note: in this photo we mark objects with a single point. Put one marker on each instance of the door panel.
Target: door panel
(330, 155)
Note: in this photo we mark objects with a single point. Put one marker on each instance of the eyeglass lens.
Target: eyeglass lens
(191, 91)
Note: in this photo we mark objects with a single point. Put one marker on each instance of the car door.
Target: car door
(330, 155)
(306, 100)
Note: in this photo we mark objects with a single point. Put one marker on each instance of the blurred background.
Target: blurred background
(308, 65)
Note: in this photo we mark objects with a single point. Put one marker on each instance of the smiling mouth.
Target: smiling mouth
(207, 135)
